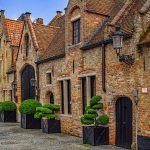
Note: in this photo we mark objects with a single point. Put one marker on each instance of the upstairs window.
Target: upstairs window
(27, 44)
(76, 31)
(49, 78)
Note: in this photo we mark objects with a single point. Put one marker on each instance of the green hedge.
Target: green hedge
(47, 111)
(7, 106)
(29, 106)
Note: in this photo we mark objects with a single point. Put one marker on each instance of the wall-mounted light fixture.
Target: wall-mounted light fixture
(118, 45)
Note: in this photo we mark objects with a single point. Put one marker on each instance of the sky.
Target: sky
(45, 9)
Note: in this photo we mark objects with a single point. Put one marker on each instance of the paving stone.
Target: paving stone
(12, 137)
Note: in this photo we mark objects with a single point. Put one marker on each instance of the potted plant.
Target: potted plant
(7, 111)
(27, 110)
(95, 133)
(50, 123)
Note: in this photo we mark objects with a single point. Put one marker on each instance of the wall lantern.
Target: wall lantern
(14, 85)
(117, 37)
(33, 82)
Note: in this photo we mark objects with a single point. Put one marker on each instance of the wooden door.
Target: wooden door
(124, 122)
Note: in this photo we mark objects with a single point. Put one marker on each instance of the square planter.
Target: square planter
(8, 116)
(95, 135)
(29, 122)
(51, 126)
(143, 142)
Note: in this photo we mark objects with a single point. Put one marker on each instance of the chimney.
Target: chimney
(59, 13)
(27, 13)
(39, 21)
(2, 12)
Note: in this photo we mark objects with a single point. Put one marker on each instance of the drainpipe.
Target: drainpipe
(103, 67)
(37, 87)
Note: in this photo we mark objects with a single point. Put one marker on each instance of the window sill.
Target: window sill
(65, 115)
(48, 85)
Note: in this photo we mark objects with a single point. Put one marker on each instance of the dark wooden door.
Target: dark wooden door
(27, 91)
(124, 122)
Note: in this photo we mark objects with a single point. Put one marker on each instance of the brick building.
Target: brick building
(10, 34)
(72, 59)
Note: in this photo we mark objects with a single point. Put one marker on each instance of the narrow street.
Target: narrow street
(12, 137)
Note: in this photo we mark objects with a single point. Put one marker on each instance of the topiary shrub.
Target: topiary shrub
(92, 116)
(29, 106)
(47, 111)
(7, 106)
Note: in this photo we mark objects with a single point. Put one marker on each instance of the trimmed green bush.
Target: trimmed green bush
(47, 111)
(92, 115)
(103, 120)
(29, 106)
(7, 106)
(54, 107)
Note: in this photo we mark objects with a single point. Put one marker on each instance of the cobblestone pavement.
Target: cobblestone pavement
(12, 137)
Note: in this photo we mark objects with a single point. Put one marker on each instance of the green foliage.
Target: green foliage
(103, 120)
(87, 121)
(54, 107)
(98, 106)
(7, 106)
(47, 111)
(29, 106)
(92, 116)
(43, 110)
(91, 111)
(95, 100)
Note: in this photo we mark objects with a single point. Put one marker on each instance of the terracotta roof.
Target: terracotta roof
(105, 7)
(13, 31)
(56, 46)
(44, 35)
(122, 16)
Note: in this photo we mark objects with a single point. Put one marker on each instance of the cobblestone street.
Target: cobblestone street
(12, 137)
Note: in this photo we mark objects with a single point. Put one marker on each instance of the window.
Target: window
(62, 96)
(66, 97)
(76, 31)
(88, 86)
(27, 44)
(93, 85)
(84, 95)
(49, 78)
(69, 96)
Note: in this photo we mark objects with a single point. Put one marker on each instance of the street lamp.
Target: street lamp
(14, 88)
(117, 38)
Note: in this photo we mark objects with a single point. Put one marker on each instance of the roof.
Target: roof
(145, 39)
(104, 7)
(13, 31)
(120, 13)
(56, 46)
(44, 35)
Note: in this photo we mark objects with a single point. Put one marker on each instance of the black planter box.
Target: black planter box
(95, 135)
(143, 143)
(29, 122)
(8, 116)
(51, 126)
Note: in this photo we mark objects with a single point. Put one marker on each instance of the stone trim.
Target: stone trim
(64, 78)
(87, 75)
(75, 18)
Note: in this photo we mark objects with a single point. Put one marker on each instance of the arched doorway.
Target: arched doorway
(124, 122)
(27, 91)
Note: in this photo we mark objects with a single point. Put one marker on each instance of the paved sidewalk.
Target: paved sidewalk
(12, 137)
